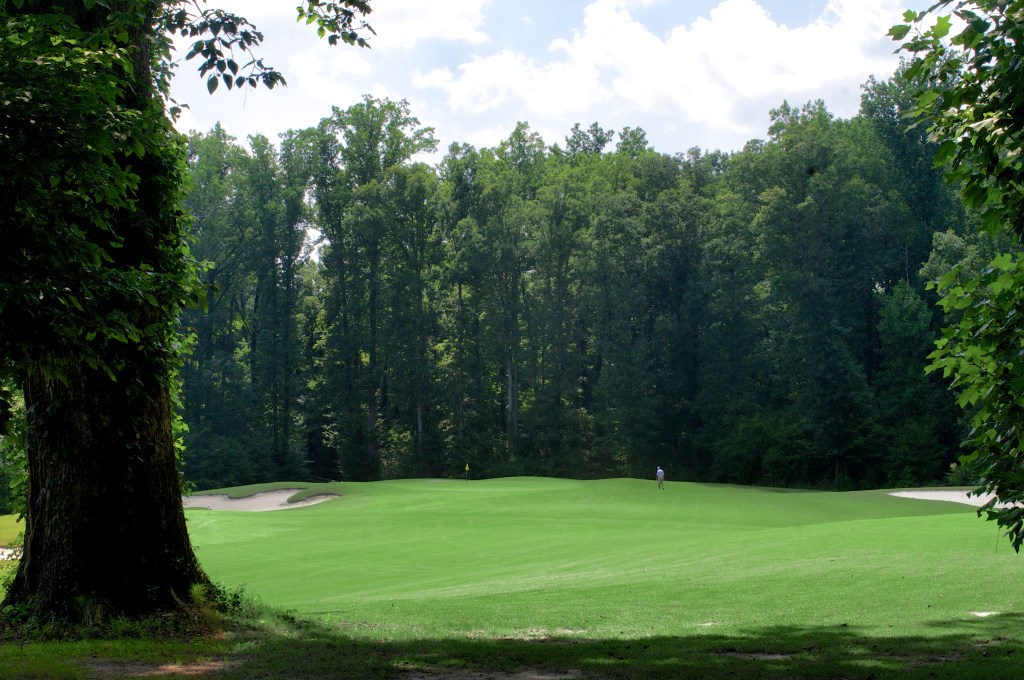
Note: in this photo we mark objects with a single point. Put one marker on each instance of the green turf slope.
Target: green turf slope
(11, 529)
(617, 558)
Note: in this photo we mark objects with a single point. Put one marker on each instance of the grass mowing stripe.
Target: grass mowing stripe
(613, 558)
(612, 579)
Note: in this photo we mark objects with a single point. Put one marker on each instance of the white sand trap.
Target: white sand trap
(6, 554)
(951, 495)
(261, 502)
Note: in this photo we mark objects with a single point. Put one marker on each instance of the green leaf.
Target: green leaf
(899, 31)
(1004, 262)
(948, 278)
(211, 84)
(1002, 283)
(944, 154)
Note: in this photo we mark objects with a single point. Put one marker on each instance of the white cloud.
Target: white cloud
(401, 24)
(483, 83)
(707, 80)
(724, 70)
(488, 83)
(327, 81)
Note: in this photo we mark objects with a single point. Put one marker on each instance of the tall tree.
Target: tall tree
(357, 147)
(94, 272)
(273, 204)
(510, 218)
(560, 435)
(462, 372)
(217, 390)
(912, 410)
(620, 388)
(94, 279)
(410, 197)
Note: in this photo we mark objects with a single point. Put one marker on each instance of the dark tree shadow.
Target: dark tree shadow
(993, 649)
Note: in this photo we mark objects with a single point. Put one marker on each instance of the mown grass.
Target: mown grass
(11, 529)
(612, 579)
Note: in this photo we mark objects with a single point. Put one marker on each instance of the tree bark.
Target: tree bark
(105, 530)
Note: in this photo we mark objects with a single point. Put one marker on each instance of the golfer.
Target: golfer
(660, 474)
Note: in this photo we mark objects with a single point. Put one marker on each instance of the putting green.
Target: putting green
(612, 559)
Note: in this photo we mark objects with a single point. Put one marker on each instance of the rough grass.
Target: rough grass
(528, 578)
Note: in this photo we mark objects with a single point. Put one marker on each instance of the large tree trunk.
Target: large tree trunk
(105, 529)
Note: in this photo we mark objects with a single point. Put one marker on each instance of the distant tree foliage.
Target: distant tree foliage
(758, 317)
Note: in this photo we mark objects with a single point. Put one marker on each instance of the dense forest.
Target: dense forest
(586, 309)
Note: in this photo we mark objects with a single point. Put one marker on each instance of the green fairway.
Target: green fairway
(528, 559)
(10, 529)
(520, 578)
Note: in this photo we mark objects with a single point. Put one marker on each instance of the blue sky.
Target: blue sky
(701, 73)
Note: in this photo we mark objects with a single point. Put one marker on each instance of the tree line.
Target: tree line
(586, 309)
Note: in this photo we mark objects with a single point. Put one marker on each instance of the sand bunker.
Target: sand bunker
(261, 502)
(950, 495)
(6, 554)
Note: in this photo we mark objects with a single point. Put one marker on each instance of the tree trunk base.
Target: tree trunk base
(105, 532)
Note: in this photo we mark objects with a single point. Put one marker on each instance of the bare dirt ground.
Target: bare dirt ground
(110, 670)
(486, 675)
(261, 502)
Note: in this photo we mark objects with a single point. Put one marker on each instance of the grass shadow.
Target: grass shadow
(278, 646)
(993, 649)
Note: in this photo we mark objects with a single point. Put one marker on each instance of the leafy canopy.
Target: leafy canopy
(970, 96)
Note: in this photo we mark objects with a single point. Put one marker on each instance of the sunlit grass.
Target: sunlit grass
(528, 577)
(10, 530)
(610, 559)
